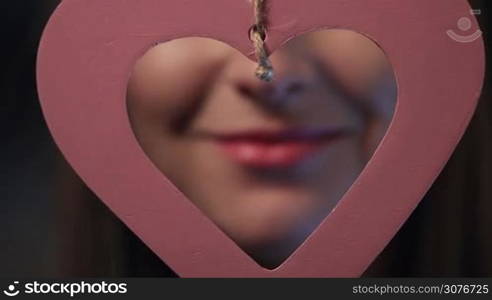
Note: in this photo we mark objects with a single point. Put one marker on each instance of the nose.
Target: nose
(291, 81)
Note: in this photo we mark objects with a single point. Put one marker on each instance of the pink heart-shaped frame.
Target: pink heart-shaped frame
(88, 51)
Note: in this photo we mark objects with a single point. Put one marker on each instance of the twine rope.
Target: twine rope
(264, 71)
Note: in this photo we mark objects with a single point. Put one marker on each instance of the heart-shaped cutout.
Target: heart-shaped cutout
(90, 47)
(265, 161)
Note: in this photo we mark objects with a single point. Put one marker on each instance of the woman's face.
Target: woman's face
(265, 161)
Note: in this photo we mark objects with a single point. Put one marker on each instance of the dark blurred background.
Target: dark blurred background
(51, 225)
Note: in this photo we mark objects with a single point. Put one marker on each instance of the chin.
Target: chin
(268, 217)
(269, 237)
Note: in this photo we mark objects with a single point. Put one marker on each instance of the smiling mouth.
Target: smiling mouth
(276, 149)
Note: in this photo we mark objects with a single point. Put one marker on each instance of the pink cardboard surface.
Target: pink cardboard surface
(88, 51)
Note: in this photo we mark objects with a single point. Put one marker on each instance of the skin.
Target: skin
(183, 90)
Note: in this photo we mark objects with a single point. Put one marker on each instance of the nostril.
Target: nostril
(256, 92)
(273, 95)
(295, 88)
(245, 91)
(290, 87)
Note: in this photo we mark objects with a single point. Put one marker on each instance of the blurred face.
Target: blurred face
(265, 161)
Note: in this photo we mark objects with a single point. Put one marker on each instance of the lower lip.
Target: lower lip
(270, 155)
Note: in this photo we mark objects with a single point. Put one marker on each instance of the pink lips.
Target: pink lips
(270, 149)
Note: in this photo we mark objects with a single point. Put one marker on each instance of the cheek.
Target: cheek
(170, 78)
